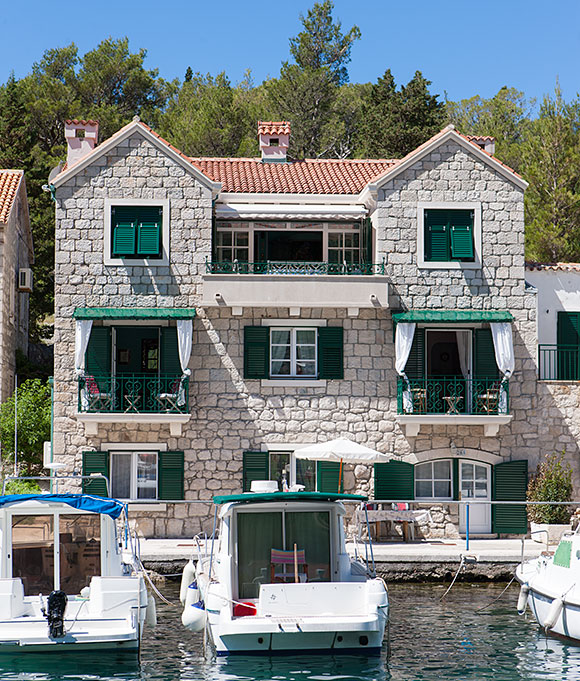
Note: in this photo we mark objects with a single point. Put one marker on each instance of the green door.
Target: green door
(568, 338)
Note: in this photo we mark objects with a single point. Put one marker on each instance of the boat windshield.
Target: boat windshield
(34, 553)
(277, 546)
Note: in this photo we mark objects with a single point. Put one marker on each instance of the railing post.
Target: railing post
(467, 527)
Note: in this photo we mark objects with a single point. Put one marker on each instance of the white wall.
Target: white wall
(557, 291)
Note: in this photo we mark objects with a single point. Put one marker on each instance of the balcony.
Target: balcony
(559, 362)
(453, 400)
(137, 398)
(295, 284)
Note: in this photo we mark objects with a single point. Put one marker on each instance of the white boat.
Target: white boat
(279, 580)
(550, 586)
(64, 581)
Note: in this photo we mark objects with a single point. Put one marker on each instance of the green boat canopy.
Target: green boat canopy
(450, 316)
(257, 498)
(134, 313)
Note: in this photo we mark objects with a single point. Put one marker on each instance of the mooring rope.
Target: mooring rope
(461, 564)
(155, 589)
(497, 599)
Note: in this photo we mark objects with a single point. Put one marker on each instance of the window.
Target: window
(136, 231)
(134, 475)
(233, 246)
(344, 247)
(449, 236)
(296, 353)
(433, 480)
(292, 352)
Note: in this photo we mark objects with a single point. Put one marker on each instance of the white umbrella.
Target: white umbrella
(343, 451)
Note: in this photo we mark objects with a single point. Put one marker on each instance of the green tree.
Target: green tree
(551, 164)
(33, 423)
(397, 121)
(322, 44)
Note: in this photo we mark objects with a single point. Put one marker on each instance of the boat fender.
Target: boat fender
(151, 612)
(187, 577)
(192, 595)
(523, 599)
(194, 616)
(554, 613)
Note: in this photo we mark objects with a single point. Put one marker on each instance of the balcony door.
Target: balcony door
(448, 359)
(136, 350)
(475, 483)
(288, 246)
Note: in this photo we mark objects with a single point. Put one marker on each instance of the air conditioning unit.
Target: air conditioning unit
(25, 279)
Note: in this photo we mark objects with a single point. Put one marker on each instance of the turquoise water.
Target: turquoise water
(430, 640)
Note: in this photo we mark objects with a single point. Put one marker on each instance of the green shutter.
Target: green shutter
(455, 471)
(256, 352)
(98, 355)
(484, 355)
(367, 241)
(394, 480)
(568, 339)
(95, 462)
(462, 242)
(170, 365)
(149, 231)
(415, 367)
(171, 474)
(123, 224)
(510, 483)
(255, 467)
(436, 236)
(327, 474)
(331, 352)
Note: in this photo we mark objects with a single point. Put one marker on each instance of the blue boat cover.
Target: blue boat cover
(83, 502)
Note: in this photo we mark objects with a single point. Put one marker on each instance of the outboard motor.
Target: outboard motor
(54, 613)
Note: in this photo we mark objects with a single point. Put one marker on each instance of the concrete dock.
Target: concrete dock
(435, 560)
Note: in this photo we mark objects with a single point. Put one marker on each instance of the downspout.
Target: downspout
(51, 384)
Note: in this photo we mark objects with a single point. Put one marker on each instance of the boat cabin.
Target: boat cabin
(51, 546)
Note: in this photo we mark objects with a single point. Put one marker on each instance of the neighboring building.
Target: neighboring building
(16, 259)
(229, 311)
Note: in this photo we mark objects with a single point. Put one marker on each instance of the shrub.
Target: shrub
(552, 482)
(22, 487)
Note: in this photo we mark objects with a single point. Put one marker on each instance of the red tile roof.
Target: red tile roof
(480, 138)
(310, 176)
(273, 128)
(554, 266)
(9, 182)
(80, 121)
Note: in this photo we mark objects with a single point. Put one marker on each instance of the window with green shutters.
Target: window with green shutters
(295, 353)
(95, 462)
(568, 348)
(510, 483)
(136, 232)
(448, 235)
(394, 480)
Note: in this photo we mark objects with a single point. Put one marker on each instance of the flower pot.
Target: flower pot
(554, 531)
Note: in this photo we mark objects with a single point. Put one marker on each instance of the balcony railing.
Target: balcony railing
(453, 395)
(559, 362)
(133, 394)
(293, 267)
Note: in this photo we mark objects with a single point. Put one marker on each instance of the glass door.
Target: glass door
(475, 484)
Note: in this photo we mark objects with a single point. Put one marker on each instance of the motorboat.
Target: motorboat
(550, 586)
(66, 580)
(278, 579)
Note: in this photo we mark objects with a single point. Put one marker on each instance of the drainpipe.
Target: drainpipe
(51, 384)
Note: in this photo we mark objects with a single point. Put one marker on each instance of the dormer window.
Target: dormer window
(274, 139)
(274, 142)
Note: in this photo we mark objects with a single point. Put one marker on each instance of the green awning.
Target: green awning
(134, 313)
(450, 316)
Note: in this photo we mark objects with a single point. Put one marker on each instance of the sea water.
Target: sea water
(467, 635)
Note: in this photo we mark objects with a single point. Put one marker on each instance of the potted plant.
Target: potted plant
(552, 482)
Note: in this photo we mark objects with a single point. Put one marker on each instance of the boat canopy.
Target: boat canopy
(253, 498)
(82, 502)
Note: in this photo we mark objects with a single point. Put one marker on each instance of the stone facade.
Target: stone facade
(230, 414)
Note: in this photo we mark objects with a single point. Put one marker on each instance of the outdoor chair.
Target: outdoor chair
(94, 398)
(282, 566)
(174, 399)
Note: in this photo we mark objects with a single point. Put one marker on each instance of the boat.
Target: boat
(550, 586)
(66, 582)
(278, 579)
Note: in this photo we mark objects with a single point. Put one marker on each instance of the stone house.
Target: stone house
(213, 315)
(16, 259)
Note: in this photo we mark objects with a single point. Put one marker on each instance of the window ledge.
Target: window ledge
(293, 383)
(152, 506)
(412, 423)
(175, 421)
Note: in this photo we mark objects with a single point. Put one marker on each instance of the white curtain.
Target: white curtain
(503, 345)
(403, 343)
(82, 336)
(463, 351)
(184, 340)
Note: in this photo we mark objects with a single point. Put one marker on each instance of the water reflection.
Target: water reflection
(431, 640)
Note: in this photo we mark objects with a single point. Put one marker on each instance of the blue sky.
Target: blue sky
(463, 47)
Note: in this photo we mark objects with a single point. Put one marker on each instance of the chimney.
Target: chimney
(81, 138)
(274, 139)
(485, 142)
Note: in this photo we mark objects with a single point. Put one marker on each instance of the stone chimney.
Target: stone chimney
(81, 138)
(486, 142)
(274, 139)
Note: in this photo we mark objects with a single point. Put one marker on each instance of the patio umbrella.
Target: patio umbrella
(343, 451)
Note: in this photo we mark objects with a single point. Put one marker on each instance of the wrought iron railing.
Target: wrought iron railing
(453, 395)
(293, 267)
(133, 394)
(559, 362)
